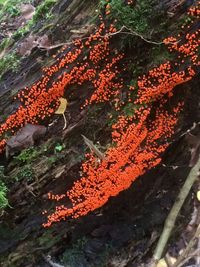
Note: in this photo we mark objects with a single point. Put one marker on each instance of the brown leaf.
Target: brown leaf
(61, 110)
(27, 11)
(24, 138)
(26, 46)
(93, 148)
(32, 41)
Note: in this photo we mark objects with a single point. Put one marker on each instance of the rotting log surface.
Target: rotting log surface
(126, 223)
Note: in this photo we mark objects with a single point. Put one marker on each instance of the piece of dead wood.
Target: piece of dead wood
(26, 47)
(24, 138)
(194, 143)
(51, 263)
(27, 11)
(190, 252)
(30, 190)
(71, 127)
(190, 256)
(93, 148)
(171, 219)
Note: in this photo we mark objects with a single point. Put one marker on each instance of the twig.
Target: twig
(190, 256)
(51, 263)
(93, 148)
(197, 258)
(185, 254)
(168, 260)
(134, 33)
(171, 219)
(190, 129)
(120, 31)
(65, 121)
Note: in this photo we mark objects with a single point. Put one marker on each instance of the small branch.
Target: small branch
(171, 219)
(120, 31)
(65, 121)
(190, 256)
(93, 148)
(195, 124)
(185, 254)
(131, 32)
(50, 262)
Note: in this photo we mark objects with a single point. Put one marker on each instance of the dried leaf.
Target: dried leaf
(27, 11)
(24, 138)
(93, 148)
(25, 48)
(61, 110)
(63, 105)
(162, 263)
(198, 195)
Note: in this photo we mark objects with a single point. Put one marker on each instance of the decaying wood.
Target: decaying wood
(24, 138)
(186, 255)
(51, 263)
(171, 219)
(93, 148)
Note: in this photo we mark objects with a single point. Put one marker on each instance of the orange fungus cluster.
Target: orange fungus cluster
(163, 79)
(139, 139)
(42, 98)
(136, 151)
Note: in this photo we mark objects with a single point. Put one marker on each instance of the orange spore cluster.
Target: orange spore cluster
(2, 145)
(188, 49)
(108, 9)
(163, 79)
(72, 67)
(136, 151)
(106, 83)
(195, 11)
(138, 140)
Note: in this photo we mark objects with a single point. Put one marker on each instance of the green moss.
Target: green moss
(43, 10)
(75, 256)
(141, 18)
(159, 55)
(22, 31)
(59, 147)
(129, 109)
(136, 18)
(10, 61)
(25, 173)
(27, 155)
(5, 44)
(51, 160)
(3, 196)
(49, 238)
(10, 8)
(3, 190)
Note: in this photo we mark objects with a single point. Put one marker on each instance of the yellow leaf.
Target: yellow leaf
(61, 110)
(198, 195)
(162, 263)
(63, 105)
